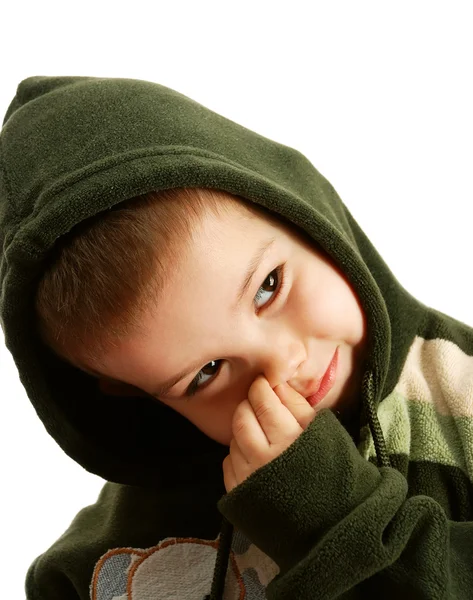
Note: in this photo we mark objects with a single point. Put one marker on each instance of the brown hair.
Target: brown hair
(108, 270)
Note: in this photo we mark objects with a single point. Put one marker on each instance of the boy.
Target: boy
(334, 431)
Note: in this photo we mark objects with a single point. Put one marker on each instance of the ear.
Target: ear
(117, 388)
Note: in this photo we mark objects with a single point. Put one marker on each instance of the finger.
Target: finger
(275, 419)
(247, 431)
(241, 466)
(229, 477)
(298, 406)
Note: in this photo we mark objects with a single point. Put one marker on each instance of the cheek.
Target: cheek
(332, 307)
(347, 312)
(212, 417)
(218, 427)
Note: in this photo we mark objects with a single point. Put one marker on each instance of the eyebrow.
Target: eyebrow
(248, 278)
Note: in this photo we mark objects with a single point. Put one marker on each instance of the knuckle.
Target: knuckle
(262, 410)
(237, 427)
(238, 421)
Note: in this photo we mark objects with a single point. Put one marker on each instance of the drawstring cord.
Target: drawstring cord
(221, 562)
(367, 390)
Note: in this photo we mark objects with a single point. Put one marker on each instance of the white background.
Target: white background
(377, 95)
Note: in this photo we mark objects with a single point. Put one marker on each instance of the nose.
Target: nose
(281, 362)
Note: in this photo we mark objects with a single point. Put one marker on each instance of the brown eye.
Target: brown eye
(194, 386)
(272, 282)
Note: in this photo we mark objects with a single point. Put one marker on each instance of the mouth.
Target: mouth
(326, 382)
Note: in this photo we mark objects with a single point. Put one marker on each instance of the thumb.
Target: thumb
(297, 405)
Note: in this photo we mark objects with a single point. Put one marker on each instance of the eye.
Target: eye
(274, 279)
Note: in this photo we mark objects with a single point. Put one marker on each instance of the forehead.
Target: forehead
(240, 221)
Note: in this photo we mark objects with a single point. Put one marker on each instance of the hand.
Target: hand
(263, 426)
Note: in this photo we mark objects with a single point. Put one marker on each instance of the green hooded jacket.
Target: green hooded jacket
(384, 514)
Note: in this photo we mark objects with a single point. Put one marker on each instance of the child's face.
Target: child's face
(288, 336)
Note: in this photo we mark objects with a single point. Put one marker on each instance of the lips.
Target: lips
(326, 383)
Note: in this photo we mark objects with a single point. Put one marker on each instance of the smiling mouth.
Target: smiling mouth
(327, 381)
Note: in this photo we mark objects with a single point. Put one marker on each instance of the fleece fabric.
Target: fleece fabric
(383, 514)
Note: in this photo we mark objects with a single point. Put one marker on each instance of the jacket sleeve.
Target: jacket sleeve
(340, 527)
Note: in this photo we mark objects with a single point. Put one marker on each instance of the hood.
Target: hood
(73, 147)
